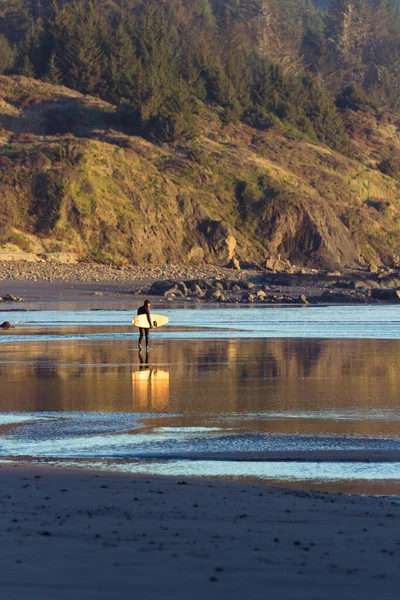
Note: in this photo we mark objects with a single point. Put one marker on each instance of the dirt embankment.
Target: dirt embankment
(95, 190)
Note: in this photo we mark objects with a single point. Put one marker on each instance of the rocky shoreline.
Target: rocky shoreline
(209, 283)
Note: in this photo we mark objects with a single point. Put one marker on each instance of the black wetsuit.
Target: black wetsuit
(144, 331)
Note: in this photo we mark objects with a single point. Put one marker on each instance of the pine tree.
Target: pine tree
(53, 74)
(82, 56)
(7, 55)
(27, 68)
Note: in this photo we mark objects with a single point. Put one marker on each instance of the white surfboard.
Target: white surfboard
(156, 321)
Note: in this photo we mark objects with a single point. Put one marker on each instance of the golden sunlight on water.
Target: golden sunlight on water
(294, 386)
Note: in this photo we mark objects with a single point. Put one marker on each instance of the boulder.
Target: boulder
(270, 263)
(162, 288)
(196, 255)
(385, 294)
(234, 264)
(197, 291)
(6, 325)
(356, 284)
(220, 238)
(390, 282)
(372, 268)
(11, 298)
(342, 296)
(247, 285)
(182, 288)
(303, 299)
(217, 295)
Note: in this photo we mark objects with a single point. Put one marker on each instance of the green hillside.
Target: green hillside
(232, 190)
(137, 130)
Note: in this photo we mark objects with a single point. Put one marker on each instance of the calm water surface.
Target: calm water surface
(221, 393)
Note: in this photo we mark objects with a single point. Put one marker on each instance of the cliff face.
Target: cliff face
(73, 180)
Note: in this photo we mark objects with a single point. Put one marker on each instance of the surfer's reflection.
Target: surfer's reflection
(144, 360)
(150, 386)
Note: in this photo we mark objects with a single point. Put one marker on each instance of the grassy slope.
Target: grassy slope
(105, 194)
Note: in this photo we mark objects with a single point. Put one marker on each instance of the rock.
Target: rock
(6, 325)
(61, 258)
(270, 264)
(234, 264)
(247, 285)
(261, 295)
(226, 284)
(334, 274)
(251, 298)
(198, 291)
(343, 296)
(162, 288)
(356, 284)
(218, 286)
(385, 294)
(11, 298)
(217, 295)
(221, 240)
(182, 288)
(390, 282)
(236, 288)
(284, 266)
(303, 299)
(196, 255)
(372, 268)
(97, 294)
(371, 284)
(366, 284)
(20, 257)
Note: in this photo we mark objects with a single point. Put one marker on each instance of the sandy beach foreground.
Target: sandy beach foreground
(87, 534)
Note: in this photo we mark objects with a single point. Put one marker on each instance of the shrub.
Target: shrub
(354, 98)
(389, 166)
(5, 233)
(49, 193)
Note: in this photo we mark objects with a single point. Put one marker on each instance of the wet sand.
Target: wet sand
(67, 533)
(64, 291)
(89, 534)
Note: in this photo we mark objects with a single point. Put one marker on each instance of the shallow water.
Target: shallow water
(219, 399)
(200, 322)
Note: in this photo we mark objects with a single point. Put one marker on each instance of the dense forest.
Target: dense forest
(160, 61)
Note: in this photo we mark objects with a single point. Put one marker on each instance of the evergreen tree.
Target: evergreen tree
(53, 74)
(27, 68)
(7, 55)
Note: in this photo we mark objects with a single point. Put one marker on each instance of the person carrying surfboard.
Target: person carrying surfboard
(145, 310)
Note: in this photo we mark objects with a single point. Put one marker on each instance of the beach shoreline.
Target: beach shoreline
(82, 282)
(103, 534)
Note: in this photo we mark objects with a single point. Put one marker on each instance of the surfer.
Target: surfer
(145, 310)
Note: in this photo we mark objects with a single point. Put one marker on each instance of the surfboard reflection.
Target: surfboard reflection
(150, 386)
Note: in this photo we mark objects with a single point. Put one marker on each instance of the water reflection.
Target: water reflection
(150, 387)
(309, 386)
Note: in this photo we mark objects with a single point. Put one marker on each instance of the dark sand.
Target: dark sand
(82, 534)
